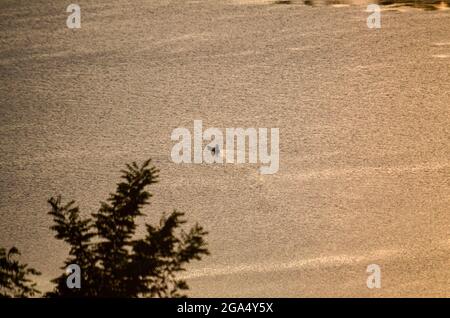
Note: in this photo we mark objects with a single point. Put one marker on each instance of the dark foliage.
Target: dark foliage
(14, 281)
(115, 264)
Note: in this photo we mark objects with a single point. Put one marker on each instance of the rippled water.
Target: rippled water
(387, 4)
(426, 5)
(364, 131)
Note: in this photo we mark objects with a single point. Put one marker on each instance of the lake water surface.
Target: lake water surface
(364, 123)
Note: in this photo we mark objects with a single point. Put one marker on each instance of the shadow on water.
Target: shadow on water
(426, 5)
(422, 4)
(282, 2)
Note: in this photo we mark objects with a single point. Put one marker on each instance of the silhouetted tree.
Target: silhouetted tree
(14, 281)
(115, 264)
